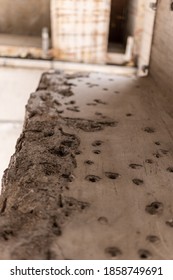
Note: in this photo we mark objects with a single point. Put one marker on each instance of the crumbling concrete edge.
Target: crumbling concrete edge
(33, 207)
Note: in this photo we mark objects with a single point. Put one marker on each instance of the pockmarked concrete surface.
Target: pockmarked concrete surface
(91, 177)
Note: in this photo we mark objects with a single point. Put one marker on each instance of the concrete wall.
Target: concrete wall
(135, 23)
(24, 17)
(80, 30)
(161, 68)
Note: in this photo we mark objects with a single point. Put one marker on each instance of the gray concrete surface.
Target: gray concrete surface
(15, 87)
(161, 56)
(91, 177)
(17, 81)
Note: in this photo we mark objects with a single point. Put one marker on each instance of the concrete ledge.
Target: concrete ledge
(91, 177)
(67, 66)
(34, 206)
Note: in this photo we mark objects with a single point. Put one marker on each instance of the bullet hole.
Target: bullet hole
(56, 228)
(116, 92)
(113, 252)
(157, 155)
(150, 161)
(72, 204)
(135, 166)
(152, 238)
(112, 175)
(170, 169)
(144, 254)
(92, 178)
(105, 89)
(100, 101)
(68, 176)
(103, 220)
(97, 143)
(137, 181)
(129, 115)
(48, 133)
(72, 102)
(60, 111)
(89, 162)
(73, 109)
(60, 151)
(157, 143)
(95, 127)
(169, 223)
(149, 129)
(66, 214)
(98, 113)
(57, 103)
(154, 208)
(78, 152)
(6, 234)
(97, 152)
(60, 201)
(83, 206)
(164, 152)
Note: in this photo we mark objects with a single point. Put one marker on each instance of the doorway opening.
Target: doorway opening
(120, 40)
(117, 26)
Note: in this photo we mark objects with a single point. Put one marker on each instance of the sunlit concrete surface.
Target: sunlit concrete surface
(16, 84)
(91, 177)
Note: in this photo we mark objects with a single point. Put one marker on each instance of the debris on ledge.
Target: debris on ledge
(35, 205)
(91, 177)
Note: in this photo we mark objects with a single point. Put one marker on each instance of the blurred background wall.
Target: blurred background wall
(24, 17)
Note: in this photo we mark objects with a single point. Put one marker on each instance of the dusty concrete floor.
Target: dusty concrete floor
(16, 84)
(106, 193)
